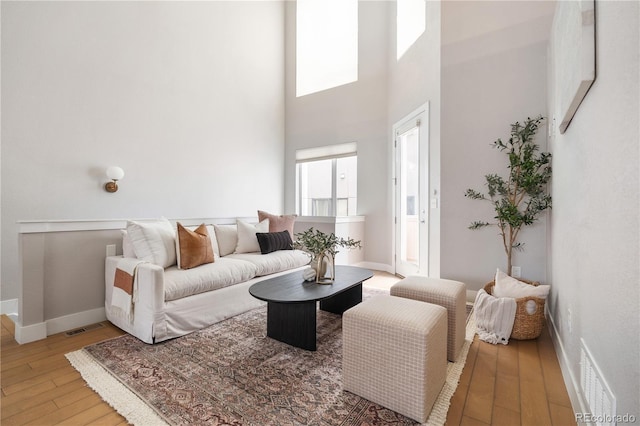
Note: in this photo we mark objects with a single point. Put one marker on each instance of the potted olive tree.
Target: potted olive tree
(520, 198)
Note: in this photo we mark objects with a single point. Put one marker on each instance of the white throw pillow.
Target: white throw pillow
(247, 240)
(506, 286)
(214, 240)
(127, 246)
(153, 241)
(226, 239)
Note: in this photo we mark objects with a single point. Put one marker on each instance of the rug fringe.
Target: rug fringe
(118, 396)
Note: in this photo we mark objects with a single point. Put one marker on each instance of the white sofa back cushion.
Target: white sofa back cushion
(153, 241)
(226, 238)
(247, 240)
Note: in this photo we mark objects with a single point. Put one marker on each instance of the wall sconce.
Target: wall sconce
(115, 174)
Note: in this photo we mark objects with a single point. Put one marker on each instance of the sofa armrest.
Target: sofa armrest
(149, 307)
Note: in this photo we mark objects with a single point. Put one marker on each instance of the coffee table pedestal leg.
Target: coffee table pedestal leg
(293, 323)
(342, 301)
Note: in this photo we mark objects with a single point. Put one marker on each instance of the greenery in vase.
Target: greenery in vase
(519, 199)
(317, 243)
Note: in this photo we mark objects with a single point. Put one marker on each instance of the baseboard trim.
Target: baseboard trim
(9, 307)
(80, 319)
(376, 266)
(571, 382)
(31, 333)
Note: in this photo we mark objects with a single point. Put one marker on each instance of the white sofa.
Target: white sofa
(172, 302)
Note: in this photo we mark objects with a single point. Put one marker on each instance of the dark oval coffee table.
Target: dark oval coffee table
(291, 302)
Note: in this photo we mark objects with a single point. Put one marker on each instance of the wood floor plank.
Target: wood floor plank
(62, 414)
(68, 374)
(470, 421)
(479, 402)
(456, 409)
(561, 415)
(465, 376)
(53, 376)
(38, 412)
(505, 416)
(534, 407)
(72, 397)
(554, 383)
(507, 391)
(111, 419)
(17, 372)
(88, 416)
(21, 401)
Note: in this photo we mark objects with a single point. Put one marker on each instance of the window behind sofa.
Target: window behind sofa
(327, 180)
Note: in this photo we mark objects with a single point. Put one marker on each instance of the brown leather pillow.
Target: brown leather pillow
(278, 223)
(194, 247)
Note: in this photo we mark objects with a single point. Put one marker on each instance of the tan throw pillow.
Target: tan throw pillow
(193, 247)
(278, 223)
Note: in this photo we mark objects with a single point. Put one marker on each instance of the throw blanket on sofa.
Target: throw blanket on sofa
(124, 293)
(494, 317)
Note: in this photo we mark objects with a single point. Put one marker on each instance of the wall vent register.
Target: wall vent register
(597, 394)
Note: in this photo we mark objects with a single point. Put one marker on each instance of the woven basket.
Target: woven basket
(525, 326)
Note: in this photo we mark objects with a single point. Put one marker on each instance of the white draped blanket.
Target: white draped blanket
(494, 317)
(125, 283)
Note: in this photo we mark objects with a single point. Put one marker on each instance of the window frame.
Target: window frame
(333, 208)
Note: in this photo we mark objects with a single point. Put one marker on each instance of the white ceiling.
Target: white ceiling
(465, 19)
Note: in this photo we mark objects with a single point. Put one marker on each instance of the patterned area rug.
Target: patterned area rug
(231, 374)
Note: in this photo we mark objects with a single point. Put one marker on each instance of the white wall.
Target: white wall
(187, 97)
(594, 250)
(414, 80)
(348, 113)
(489, 80)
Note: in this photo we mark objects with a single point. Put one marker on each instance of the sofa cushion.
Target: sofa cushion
(193, 247)
(227, 238)
(278, 223)
(277, 261)
(153, 241)
(179, 283)
(274, 241)
(247, 240)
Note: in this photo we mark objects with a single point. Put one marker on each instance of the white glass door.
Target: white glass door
(410, 183)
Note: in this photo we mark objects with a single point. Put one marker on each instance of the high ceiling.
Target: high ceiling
(465, 19)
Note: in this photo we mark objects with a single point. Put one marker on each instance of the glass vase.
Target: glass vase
(325, 263)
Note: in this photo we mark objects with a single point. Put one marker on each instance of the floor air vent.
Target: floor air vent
(602, 403)
(83, 329)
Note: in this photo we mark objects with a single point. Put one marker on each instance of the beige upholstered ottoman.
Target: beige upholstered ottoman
(446, 293)
(394, 353)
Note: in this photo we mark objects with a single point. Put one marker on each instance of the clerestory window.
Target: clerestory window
(326, 44)
(410, 24)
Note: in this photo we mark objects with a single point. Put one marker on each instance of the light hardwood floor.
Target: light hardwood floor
(516, 384)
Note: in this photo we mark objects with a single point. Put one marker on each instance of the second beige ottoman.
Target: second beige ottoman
(394, 353)
(446, 293)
